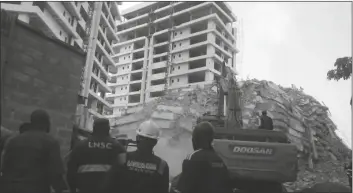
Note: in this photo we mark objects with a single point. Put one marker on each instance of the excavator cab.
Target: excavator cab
(254, 154)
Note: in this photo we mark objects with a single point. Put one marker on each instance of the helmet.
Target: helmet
(148, 129)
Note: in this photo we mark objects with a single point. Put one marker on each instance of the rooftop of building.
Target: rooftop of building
(146, 5)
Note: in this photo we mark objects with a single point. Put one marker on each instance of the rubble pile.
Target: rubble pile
(305, 121)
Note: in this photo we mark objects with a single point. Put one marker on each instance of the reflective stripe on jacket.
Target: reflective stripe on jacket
(93, 168)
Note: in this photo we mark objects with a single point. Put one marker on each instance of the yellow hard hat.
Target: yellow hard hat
(148, 129)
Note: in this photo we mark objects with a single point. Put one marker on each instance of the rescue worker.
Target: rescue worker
(266, 121)
(143, 171)
(348, 169)
(91, 159)
(32, 161)
(203, 170)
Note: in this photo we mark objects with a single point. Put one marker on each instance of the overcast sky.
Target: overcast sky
(297, 43)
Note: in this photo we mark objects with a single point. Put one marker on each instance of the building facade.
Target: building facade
(90, 26)
(169, 45)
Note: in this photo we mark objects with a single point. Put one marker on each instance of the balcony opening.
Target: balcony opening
(93, 85)
(103, 78)
(182, 6)
(137, 65)
(183, 18)
(141, 32)
(156, 94)
(137, 55)
(81, 32)
(198, 39)
(196, 77)
(199, 51)
(139, 45)
(162, 13)
(158, 70)
(219, 53)
(129, 36)
(84, 14)
(110, 100)
(136, 76)
(135, 87)
(113, 80)
(197, 64)
(162, 4)
(217, 66)
(218, 42)
(161, 38)
(134, 98)
(158, 82)
(95, 69)
(218, 29)
(198, 27)
(161, 49)
(163, 25)
(200, 13)
(159, 59)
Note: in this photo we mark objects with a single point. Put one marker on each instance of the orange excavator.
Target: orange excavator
(254, 157)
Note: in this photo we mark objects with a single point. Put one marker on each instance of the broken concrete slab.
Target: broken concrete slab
(163, 115)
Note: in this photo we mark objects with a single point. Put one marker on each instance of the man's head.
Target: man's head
(147, 135)
(202, 136)
(40, 120)
(264, 112)
(24, 127)
(101, 127)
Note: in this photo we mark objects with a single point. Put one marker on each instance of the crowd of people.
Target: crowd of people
(31, 163)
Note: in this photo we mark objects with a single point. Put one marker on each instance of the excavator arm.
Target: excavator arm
(227, 87)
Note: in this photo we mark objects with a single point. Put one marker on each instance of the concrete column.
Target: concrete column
(211, 37)
(149, 68)
(209, 76)
(210, 63)
(144, 73)
(23, 17)
(210, 50)
(211, 25)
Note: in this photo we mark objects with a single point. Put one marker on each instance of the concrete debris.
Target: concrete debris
(300, 116)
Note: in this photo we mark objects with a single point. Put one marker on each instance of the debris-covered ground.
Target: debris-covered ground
(305, 121)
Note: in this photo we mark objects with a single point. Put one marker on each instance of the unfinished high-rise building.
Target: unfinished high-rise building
(169, 45)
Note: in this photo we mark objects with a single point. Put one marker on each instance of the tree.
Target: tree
(343, 69)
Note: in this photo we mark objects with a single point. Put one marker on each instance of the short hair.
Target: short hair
(204, 129)
(101, 126)
(39, 117)
(264, 112)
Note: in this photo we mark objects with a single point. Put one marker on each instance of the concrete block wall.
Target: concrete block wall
(40, 73)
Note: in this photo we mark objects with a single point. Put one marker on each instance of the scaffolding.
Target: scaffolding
(169, 57)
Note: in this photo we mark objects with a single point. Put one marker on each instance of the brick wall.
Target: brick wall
(39, 72)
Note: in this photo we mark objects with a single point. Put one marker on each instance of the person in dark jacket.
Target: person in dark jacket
(32, 161)
(266, 121)
(143, 172)
(348, 169)
(203, 170)
(91, 159)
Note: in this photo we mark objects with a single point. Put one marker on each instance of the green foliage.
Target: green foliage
(343, 69)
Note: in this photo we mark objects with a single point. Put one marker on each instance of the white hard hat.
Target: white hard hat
(148, 129)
